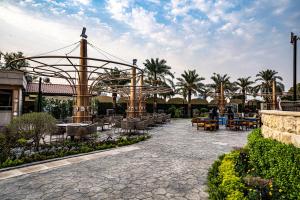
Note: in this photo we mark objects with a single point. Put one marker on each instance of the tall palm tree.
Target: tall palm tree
(228, 87)
(244, 86)
(205, 91)
(191, 82)
(266, 77)
(156, 71)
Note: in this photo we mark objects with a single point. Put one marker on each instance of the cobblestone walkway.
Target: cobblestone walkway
(172, 164)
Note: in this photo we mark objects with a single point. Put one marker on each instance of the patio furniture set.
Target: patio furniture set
(236, 124)
(117, 123)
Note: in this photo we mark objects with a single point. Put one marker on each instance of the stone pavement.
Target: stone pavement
(173, 164)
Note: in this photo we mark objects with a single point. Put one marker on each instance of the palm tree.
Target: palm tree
(114, 81)
(156, 71)
(205, 91)
(266, 77)
(244, 85)
(191, 82)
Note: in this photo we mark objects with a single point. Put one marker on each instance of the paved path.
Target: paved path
(172, 164)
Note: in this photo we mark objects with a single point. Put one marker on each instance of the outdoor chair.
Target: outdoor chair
(60, 132)
(107, 121)
(117, 125)
(100, 123)
(127, 126)
(72, 131)
(211, 125)
(140, 126)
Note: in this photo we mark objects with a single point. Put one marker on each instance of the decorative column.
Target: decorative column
(141, 97)
(131, 111)
(82, 111)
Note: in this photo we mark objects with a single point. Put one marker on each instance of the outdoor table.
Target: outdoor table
(65, 125)
(201, 120)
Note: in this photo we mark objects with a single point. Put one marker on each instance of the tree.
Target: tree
(8, 57)
(205, 91)
(244, 86)
(157, 71)
(266, 77)
(18, 65)
(190, 81)
(116, 78)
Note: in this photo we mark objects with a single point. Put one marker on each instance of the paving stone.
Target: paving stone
(173, 164)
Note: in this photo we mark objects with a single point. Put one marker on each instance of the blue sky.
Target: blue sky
(235, 37)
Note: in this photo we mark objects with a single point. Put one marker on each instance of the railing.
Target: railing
(290, 105)
(284, 106)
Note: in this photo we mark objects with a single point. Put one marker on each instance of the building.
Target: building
(12, 89)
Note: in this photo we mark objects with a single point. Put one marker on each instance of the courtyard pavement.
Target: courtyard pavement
(173, 164)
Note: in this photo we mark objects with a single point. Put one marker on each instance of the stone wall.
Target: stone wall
(283, 126)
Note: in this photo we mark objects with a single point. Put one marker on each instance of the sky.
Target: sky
(234, 37)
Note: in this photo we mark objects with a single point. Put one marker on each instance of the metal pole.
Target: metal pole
(295, 68)
(273, 95)
(39, 108)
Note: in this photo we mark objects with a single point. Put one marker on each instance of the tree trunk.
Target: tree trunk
(114, 97)
(155, 96)
(244, 99)
(189, 104)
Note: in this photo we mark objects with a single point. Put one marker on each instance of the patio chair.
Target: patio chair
(100, 123)
(60, 132)
(211, 125)
(117, 125)
(140, 126)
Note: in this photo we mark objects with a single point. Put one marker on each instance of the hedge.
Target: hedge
(264, 169)
(274, 160)
(224, 181)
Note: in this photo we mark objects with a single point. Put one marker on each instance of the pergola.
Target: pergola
(87, 75)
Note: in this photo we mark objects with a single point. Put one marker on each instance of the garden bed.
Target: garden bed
(264, 169)
(68, 148)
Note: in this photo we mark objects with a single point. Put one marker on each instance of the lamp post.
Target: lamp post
(294, 39)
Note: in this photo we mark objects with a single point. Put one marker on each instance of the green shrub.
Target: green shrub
(274, 160)
(65, 149)
(33, 126)
(224, 181)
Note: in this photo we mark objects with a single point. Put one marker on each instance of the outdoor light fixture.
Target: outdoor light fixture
(294, 39)
(83, 33)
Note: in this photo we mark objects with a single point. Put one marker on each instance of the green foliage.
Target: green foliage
(224, 181)
(177, 113)
(33, 126)
(60, 109)
(274, 160)
(70, 148)
(265, 169)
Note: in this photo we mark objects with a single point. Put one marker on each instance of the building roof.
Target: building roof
(177, 100)
(50, 89)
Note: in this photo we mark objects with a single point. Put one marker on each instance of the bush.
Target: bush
(33, 126)
(274, 160)
(224, 181)
(265, 169)
(69, 148)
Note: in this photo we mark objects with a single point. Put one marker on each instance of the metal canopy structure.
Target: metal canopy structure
(88, 76)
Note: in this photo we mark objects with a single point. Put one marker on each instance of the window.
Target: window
(5, 99)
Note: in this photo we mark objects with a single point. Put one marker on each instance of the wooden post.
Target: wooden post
(82, 97)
